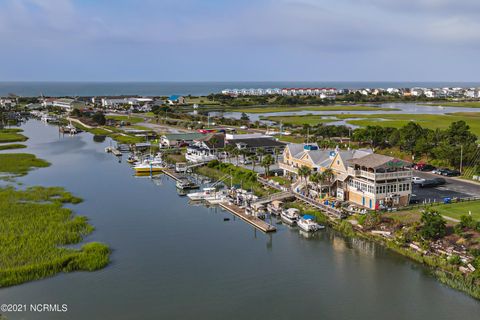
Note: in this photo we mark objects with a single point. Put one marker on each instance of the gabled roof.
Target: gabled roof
(184, 136)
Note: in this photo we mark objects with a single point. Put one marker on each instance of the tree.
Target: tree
(433, 225)
(266, 163)
(253, 157)
(328, 176)
(260, 153)
(409, 135)
(99, 118)
(244, 117)
(236, 153)
(316, 179)
(304, 172)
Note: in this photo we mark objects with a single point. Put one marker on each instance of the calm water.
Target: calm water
(409, 108)
(185, 88)
(175, 261)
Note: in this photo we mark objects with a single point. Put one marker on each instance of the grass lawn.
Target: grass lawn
(456, 210)
(291, 139)
(11, 135)
(20, 163)
(34, 231)
(131, 119)
(268, 109)
(12, 146)
(201, 100)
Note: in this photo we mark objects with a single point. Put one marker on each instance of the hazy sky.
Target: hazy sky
(397, 40)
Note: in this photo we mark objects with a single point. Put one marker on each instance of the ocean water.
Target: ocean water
(58, 89)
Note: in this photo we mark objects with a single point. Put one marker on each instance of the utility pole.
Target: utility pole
(461, 158)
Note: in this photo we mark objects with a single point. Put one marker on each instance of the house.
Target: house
(206, 149)
(375, 181)
(7, 103)
(175, 99)
(64, 103)
(176, 139)
(254, 141)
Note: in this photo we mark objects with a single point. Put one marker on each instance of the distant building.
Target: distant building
(175, 99)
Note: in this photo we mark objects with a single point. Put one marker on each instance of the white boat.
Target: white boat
(207, 194)
(291, 215)
(307, 223)
(149, 166)
(275, 207)
(184, 183)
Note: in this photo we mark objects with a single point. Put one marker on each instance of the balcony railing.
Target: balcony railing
(287, 167)
(380, 176)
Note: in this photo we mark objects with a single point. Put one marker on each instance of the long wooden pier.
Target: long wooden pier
(254, 221)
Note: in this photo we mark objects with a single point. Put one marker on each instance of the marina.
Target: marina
(254, 221)
(140, 219)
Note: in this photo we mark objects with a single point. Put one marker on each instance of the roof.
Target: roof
(378, 160)
(174, 97)
(214, 140)
(258, 142)
(184, 136)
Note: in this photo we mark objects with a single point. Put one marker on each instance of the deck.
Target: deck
(257, 223)
(172, 174)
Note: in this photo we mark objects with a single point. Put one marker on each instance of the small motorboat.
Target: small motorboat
(290, 215)
(184, 184)
(307, 223)
(275, 207)
(207, 194)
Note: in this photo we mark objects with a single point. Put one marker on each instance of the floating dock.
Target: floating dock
(254, 221)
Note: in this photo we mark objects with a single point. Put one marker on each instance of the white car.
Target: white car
(417, 180)
(243, 127)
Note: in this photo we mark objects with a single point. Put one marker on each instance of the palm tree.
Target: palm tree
(260, 152)
(266, 163)
(304, 172)
(329, 175)
(229, 150)
(253, 157)
(277, 153)
(316, 178)
(236, 153)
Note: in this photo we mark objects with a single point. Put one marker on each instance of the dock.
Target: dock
(254, 221)
(172, 174)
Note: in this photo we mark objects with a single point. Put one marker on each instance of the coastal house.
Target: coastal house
(6, 103)
(176, 139)
(64, 103)
(206, 148)
(253, 142)
(175, 99)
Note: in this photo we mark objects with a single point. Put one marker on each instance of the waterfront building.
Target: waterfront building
(359, 176)
(207, 148)
(176, 139)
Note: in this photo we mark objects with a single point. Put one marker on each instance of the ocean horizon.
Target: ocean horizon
(196, 88)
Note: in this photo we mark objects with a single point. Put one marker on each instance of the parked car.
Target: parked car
(432, 183)
(450, 173)
(243, 127)
(424, 167)
(417, 180)
(414, 200)
(439, 171)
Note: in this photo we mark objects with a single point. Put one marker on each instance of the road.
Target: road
(453, 188)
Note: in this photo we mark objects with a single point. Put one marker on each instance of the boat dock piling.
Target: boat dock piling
(254, 221)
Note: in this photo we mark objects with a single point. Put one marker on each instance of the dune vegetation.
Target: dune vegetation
(35, 231)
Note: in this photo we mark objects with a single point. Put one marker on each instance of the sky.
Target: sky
(242, 40)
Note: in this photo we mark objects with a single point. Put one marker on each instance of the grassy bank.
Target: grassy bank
(34, 231)
(20, 163)
(245, 178)
(12, 146)
(269, 109)
(464, 104)
(111, 132)
(11, 135)
(131, 119)
(452, 210)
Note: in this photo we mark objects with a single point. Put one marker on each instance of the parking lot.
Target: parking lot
(453, 188)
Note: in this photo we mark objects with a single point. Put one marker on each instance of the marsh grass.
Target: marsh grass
(11, 135)
(34, 231)
(12, 146)
(20, 163)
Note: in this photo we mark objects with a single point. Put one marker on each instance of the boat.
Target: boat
(149, 167)
(184, 183)
(275, 207)
(290, 215)
(207, 194)
(307, 223)
(70, 129)
(132, 159)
